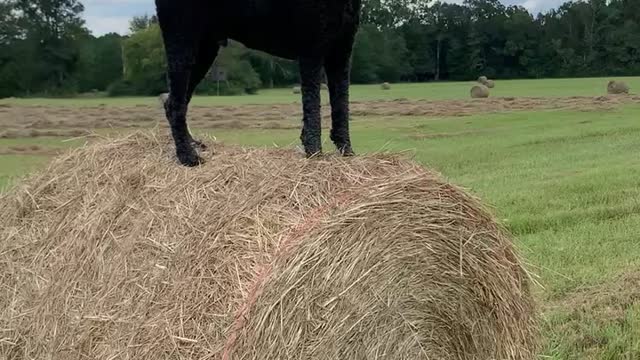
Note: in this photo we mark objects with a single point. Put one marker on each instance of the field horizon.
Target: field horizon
(435, 90)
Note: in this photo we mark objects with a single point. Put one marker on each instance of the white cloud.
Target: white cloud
(531, 5)
(105, 16)
(536, 6)
(100, 25)
(112, 2)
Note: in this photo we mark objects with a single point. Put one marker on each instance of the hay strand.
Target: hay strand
(114, 251)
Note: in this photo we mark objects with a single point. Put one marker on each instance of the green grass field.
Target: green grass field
(566, 183)
(433, 91)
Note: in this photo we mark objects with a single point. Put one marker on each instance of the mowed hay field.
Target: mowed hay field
(557, 160)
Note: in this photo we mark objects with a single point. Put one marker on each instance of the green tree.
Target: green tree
(52, 29)
(10, 34)
(139, 23)
(364, 63)
(241, 77)
(274, 71)
(100, 62)
(144, 64)
(144, 67)
(9, 29)
(420, 55)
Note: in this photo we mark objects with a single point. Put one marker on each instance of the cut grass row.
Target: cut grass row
(431, 91)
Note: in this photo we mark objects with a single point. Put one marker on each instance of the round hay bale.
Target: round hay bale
(297, 90)
(115, 251)
(617, 87)
(479, 92)
(483, 80)
(385, 86)
(490, 84)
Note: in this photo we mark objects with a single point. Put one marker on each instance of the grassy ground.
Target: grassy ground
(433, 91)
(12, 166)
(566, 183)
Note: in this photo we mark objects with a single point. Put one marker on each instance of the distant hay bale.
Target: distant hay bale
(385, 86)
(162, 99)
(617, 87)
(479, 92)
(486, 82)
(297, 90)
(116, 252)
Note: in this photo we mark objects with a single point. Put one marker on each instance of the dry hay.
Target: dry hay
(29, 150)
(617, 87)
(19, 120)
(479, 91)
(385, 86)
(297, 90)
(483, 79)
(607, 301)
(35, 133)
(115, 251)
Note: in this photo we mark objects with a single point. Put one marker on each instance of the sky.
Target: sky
(104, 16)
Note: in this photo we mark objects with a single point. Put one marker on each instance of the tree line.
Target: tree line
(46, 49)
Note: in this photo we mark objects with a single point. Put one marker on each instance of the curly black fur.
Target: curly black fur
(317, 33)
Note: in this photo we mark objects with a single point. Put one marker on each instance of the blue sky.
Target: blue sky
(105, 16)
